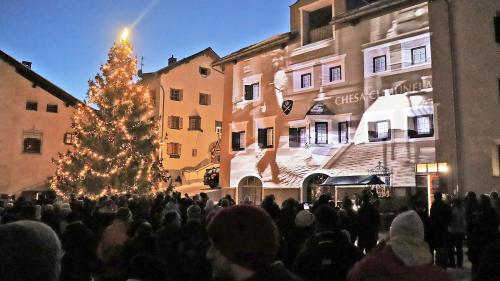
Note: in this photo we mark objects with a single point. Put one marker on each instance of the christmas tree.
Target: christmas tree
(116, 139)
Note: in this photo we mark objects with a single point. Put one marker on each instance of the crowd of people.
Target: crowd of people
(175, 237)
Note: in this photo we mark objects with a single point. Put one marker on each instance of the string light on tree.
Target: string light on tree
(116, 140)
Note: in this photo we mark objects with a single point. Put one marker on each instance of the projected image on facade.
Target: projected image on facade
(337, 105)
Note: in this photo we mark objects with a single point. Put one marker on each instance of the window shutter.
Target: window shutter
(412, 128)
(293, 134)
(235, 141)
(169, 148)
(209, 99)
(262, 137)
(180, 95)
(372, 131)
(248, 92)
(255, 91)
(389, 130)
(179, 150)
(180, 122)
(170, 122)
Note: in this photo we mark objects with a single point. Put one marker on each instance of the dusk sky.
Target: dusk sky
(67, 41)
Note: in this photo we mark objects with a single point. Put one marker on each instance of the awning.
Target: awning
(353, 180)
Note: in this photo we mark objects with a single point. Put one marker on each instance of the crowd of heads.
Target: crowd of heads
(178, 237)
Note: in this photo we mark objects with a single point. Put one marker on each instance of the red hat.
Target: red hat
(246, 235)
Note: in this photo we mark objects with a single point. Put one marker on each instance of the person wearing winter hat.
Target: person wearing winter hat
(244, 243)
(300, 232)
(304, 218)
(405, 257)
(194, 212)
(29, 251)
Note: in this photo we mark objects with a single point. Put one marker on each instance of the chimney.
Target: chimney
(172, 60)
(27, 64)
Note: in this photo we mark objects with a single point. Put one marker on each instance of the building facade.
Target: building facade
(188, 96)
(347, 92)
(34, 126)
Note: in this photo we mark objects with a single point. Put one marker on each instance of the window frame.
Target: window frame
(204, 97)
(346, 123)
(174, 122)
(175, 94)
(252, 86)
(69, 138)
(38, 144)
(265, 141)
(197, 124)
(413, 50)
(302, 81)
(174, 150)
(375, 65)
(30, 103)
(330, 73)
(413, 132)
(295, 138)
(53, 108)
(241, 136)
(373, 136)
(201, 68)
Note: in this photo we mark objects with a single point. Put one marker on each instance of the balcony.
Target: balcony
(320, 33)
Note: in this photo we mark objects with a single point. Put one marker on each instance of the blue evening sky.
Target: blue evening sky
(67, 40)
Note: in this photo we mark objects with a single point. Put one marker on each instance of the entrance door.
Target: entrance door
(321, 129)
(343, 132)
(314, 188)
(250, 188)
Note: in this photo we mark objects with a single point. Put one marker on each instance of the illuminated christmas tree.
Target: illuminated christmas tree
(116, 139)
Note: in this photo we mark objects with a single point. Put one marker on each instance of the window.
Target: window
(335, 73)
(305, 80)
(195, 123)
(194, 152)
(379, 131)
(265, 137)
(496, 21)
(379, 64)
(238, 141)
(252, 91)
(69, 138)
(204, 99)
(32, 105)
(218, 127)
(344, 132)
(175, 122)
(418, 55)
(297, 137)
(32, 144)
(420, 126)
(52, 108)
(174, 149)
(321, 129)
(318, 25)
(175, 94)
(204, 72)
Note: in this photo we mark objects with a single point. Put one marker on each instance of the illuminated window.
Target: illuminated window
(52, 108)
(420, 126)
(69, 138)
(305, 80)
(174, 149)
(204, 99)
(238, 141)
(335, 73)
(175, 94)
(297, 137)
(252, 91)
(379, 131)
(379, 64)
(418, 55)
(32, 144)
(32, 105)
(265, 137)
(321, 129)
(175, 122)
(195, 123)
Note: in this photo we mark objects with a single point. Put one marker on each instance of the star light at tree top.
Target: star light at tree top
(117, 137)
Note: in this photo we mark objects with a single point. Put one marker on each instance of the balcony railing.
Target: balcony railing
(320, 33)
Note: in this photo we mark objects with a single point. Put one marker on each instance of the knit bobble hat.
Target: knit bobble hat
(246, 235)
(407, 224)
(304, 218)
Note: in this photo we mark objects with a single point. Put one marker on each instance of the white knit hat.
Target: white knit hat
(407, 224)
(304, 218)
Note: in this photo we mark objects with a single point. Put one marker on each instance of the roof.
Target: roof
(208, 51)
(270, 42)
(353, 180)
(38, 80)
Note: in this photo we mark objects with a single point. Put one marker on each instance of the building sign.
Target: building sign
(319, 109)
(287, 106)
(374, 94)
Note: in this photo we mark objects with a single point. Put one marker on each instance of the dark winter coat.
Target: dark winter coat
(326, 256)
(440, 219)
(368, 220)
(296, 238)
(276, 272)
(383, 265)
(485, 232)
